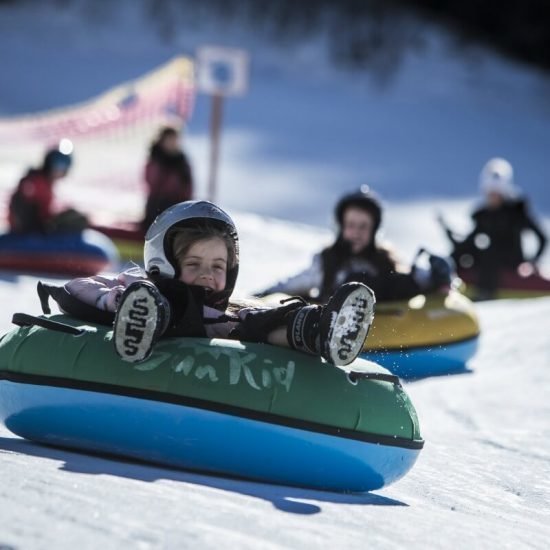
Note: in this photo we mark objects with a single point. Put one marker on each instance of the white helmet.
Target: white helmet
(497, 176)
(157, 252)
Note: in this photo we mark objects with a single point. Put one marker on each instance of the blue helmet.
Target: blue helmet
(59, 158)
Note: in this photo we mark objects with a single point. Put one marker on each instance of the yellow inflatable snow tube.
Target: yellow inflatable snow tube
(427, 335)
(425, 320)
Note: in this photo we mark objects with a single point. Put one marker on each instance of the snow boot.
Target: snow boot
(336, 331)
(143, 315)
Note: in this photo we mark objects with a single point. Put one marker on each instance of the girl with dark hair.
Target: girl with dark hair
(357, 256)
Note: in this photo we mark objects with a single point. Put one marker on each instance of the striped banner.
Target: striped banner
(111, 134)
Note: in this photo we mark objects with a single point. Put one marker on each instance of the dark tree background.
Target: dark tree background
(517, 28)
(361, 33)
(366, 32)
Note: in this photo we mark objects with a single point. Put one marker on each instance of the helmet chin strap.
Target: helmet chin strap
(154, 271)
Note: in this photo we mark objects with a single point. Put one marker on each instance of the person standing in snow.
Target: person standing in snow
(356, 255)
(167, 175)
(31, 206)
(191, 258)
(495, 242)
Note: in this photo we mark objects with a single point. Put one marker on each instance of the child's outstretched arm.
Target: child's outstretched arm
(300, 284)
(98, 292)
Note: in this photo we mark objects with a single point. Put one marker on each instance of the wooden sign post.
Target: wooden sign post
(221, 72)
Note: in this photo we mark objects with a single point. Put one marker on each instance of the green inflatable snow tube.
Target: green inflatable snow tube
(258, 384)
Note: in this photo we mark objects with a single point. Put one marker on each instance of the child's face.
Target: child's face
(205, 264)
(58, 173)
(171, 143)
(494, 199)
(357, 228)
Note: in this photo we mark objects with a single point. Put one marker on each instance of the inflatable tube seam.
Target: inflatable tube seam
(151, 395)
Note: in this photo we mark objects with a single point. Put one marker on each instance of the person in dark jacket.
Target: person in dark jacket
(495, 242)
(31, 206)
(356, 255)
(168, 175)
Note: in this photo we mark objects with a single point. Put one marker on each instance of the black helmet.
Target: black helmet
(59, 157)
(157, 253)
(364, 199)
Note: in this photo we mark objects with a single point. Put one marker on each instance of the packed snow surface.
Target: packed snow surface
(302, 136)
(481, 481)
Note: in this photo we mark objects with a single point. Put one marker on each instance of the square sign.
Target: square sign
(222, 71)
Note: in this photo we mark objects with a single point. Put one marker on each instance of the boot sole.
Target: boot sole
(351, 318)
(137, 324)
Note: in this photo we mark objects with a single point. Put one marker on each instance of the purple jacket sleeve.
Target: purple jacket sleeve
(102, 292)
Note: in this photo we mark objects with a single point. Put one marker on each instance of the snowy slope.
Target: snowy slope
(482, 480)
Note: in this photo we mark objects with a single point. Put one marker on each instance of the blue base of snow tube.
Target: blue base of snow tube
(412, 363)
(198, 439)
(81, 253)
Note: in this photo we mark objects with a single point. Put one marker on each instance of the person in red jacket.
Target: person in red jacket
(167, 175)
(31, 204)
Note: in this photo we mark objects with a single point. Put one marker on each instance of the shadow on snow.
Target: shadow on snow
(283, 498)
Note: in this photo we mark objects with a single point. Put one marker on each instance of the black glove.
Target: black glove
(441, 270)
(259, 323)
(186, 306)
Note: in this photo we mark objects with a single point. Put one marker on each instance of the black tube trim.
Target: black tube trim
(354, 376)
(151, 395)
(24, 320)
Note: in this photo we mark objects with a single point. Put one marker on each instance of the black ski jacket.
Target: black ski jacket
(497, 235)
